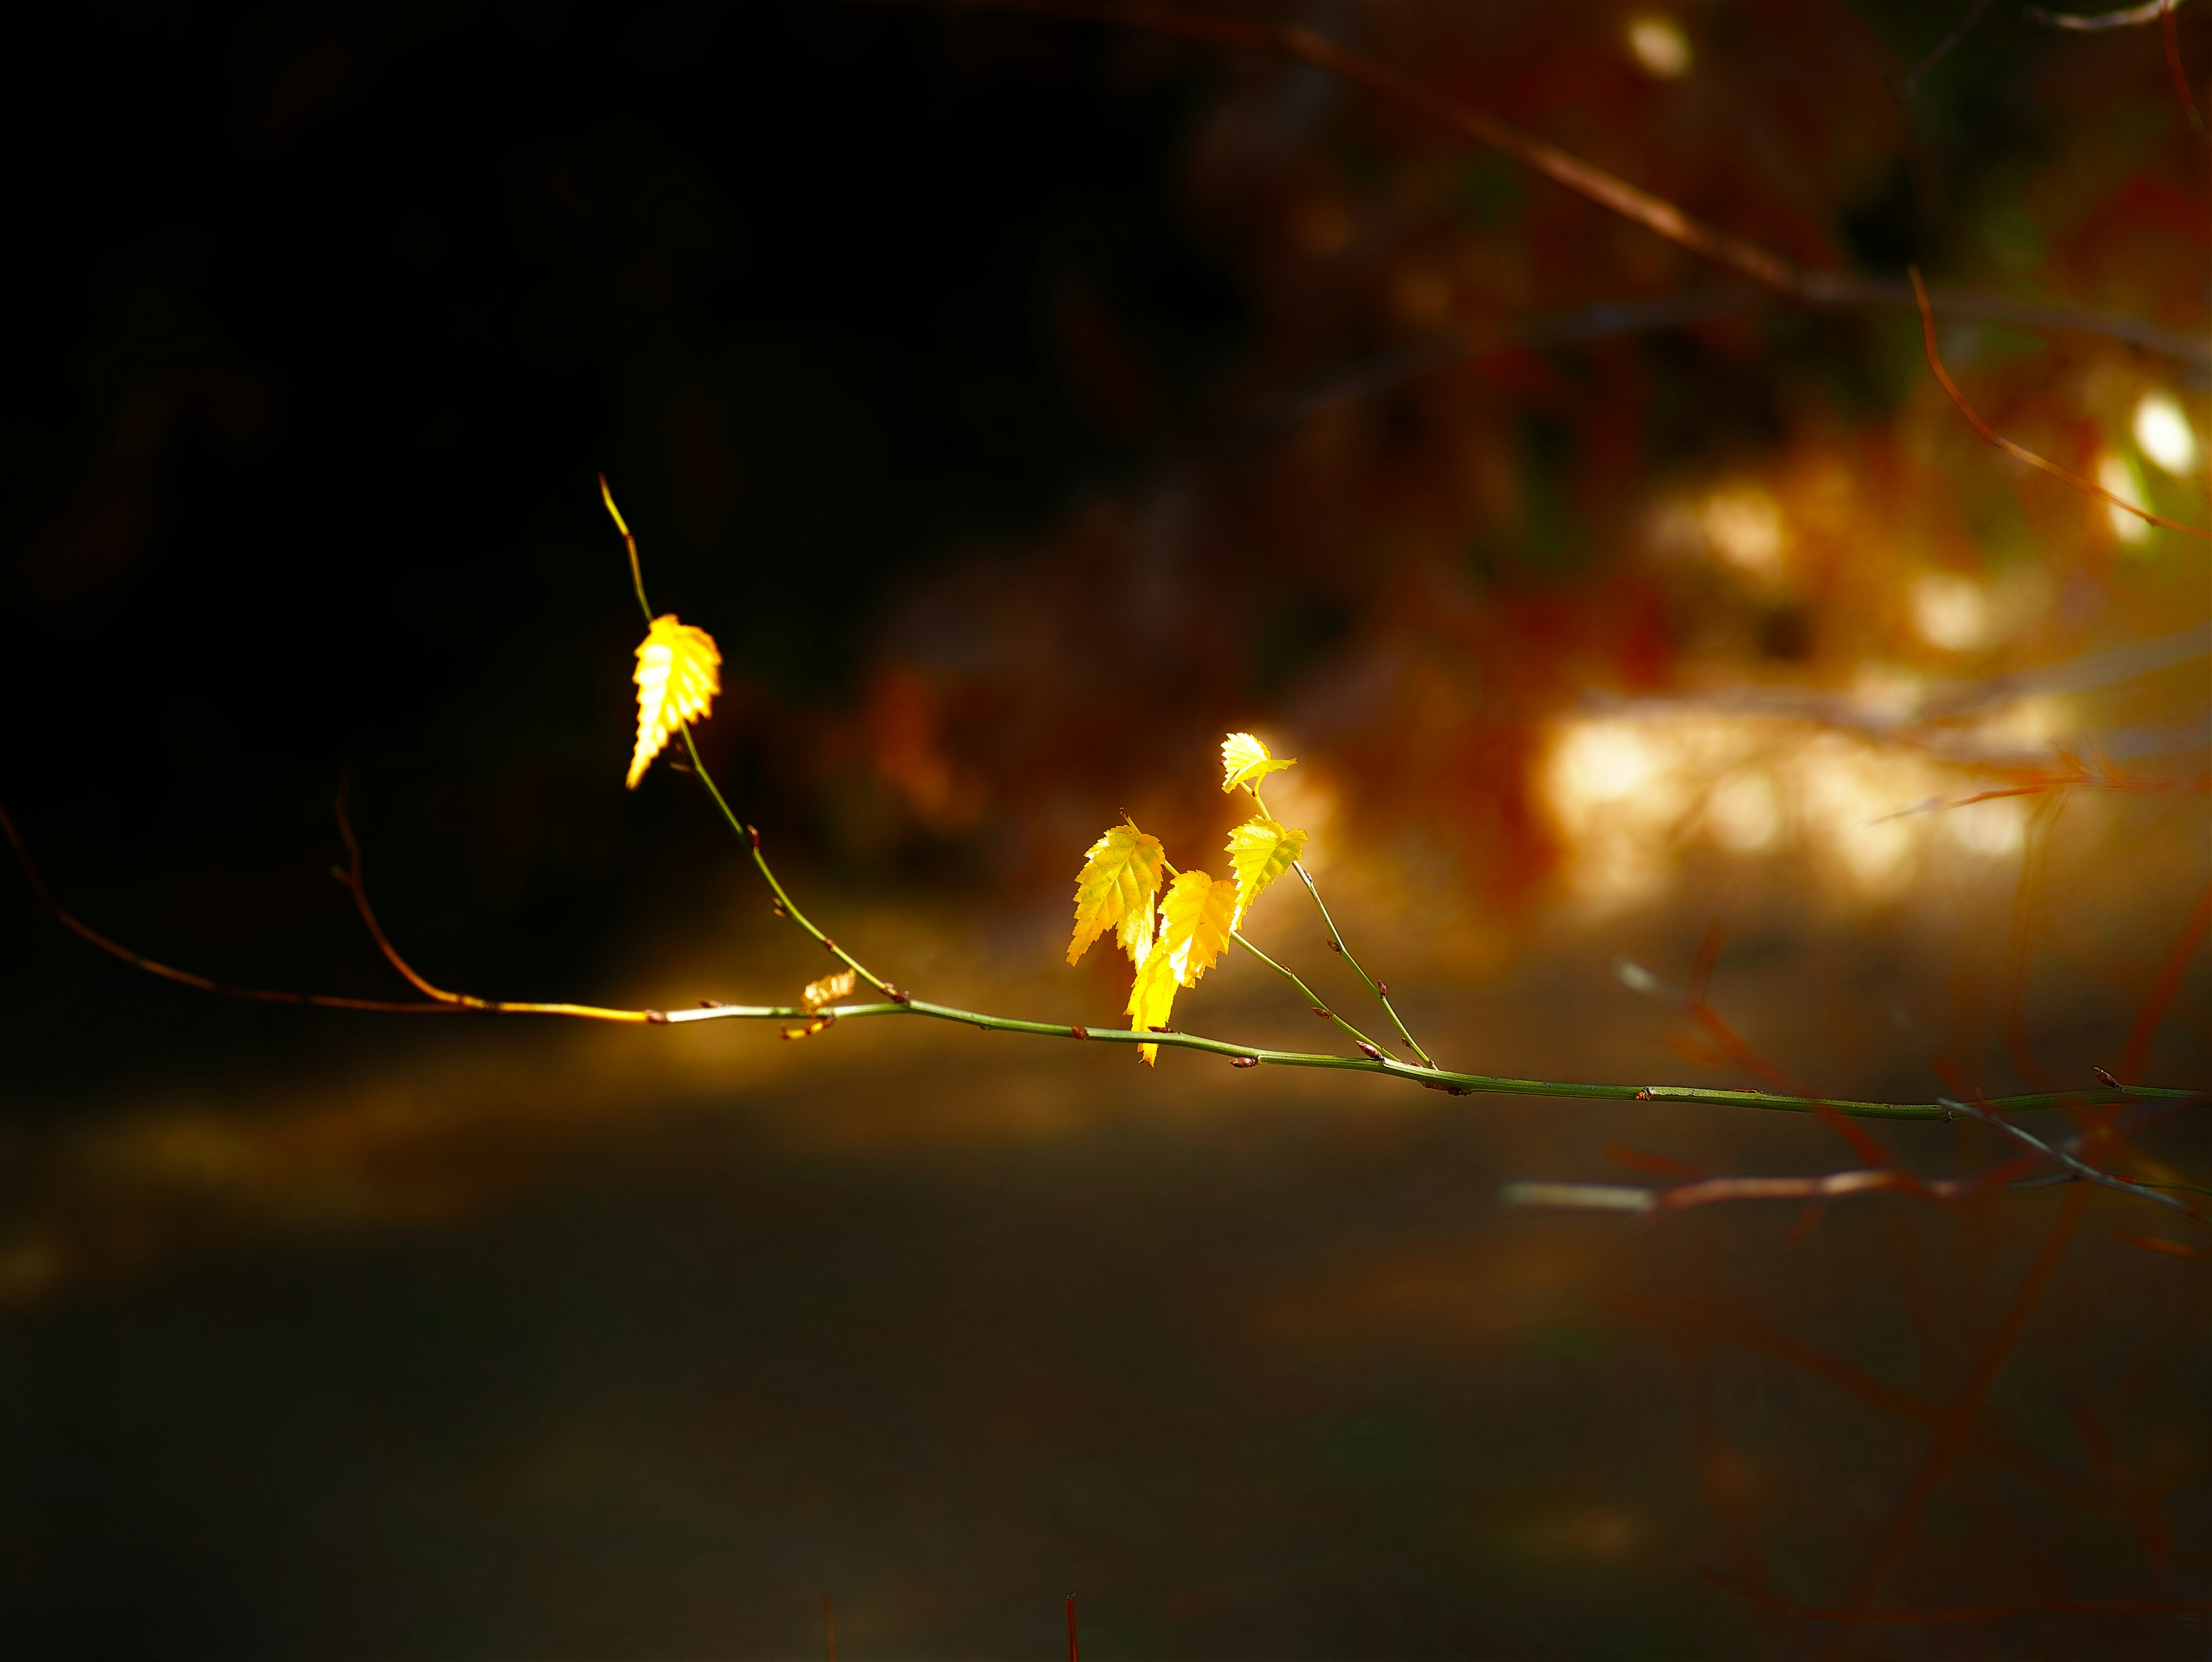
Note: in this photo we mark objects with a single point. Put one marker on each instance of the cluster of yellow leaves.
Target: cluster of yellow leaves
(1173, 941)
(678, 673)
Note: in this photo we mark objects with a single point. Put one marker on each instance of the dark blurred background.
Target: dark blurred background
(1022, 403)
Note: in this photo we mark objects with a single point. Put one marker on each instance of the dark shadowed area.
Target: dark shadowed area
(1682, 694)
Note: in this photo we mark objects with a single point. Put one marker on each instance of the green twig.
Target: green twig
(1436, 1078)
(1382, 993)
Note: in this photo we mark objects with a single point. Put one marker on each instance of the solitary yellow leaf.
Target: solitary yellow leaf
(1195, 925)
(828, 990)
(1113, 891)
(1244, 759)
(1260, 851)
(678, 673)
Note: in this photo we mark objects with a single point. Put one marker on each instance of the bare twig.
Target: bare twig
(2078, 22)
(1769, 270)
(445, 1003)
(2021, 452)
(1971, 1613)
(1906, 85)
(2077, 1167)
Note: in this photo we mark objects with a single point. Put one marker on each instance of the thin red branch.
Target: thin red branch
(2021, 452)
(1656, 213)
(2168, 983)
(1963, 1613)
(1986, 1442)
(1959, 1419)
(2171, 32)
(446, 1004)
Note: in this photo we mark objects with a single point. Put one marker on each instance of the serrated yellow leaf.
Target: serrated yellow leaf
(1260, 851)
(828, 990)
(678, 673)
(1244, 759)
(1195, 925)
(1114, 891)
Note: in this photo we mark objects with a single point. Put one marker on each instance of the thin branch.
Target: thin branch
(1615, 195)
(1769, 270)
(1456, 1084)
(1678, 1317)
(2126, 17)
(2171, 33)
(446, 1004)
(1904, 86)
(2021, 452)
(1971, 1613)
(637, 571)
(2078, 1166)
(1382, 993)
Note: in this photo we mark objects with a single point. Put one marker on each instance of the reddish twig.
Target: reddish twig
(2171, 32)
(1985, 1441)
(445, 1003)
(1958, 1420)
(2021, 452)
(1965, 1613)
(2168, 983)
(1733, 1046)
(2159, 1243)
(1656, 213)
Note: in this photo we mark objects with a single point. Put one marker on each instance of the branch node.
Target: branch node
(660, 1016)
(1371, 1052)
(2104, 1078)
(1079, 1032)
(1326, 1015)
(755, 835)
(1643, 1093)
(1244, 1062)
(1449, 1090)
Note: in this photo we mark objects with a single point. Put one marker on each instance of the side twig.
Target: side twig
(2021, 452)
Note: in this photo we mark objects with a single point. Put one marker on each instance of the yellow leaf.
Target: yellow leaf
(1260, 851)
(1113, 891)
(678, 673)
(1244, 759)
(828, 990)
(1194, 934)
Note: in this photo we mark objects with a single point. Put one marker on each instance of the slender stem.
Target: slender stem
(1373, 985)
(636, 572)
(699, 767)
(790, 907)
(1435, 1079)
(2074, 1163)
(1336, 934)
(1313, 999)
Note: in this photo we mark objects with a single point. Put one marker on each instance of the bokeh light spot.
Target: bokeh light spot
(1744, 526)
(1950, 611)
(1659, 45)
(1743, 815)
(2163, 433)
